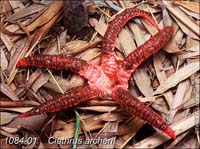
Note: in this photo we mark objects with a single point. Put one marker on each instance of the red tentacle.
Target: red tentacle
(56, 62)
(117, 24)
(67, 100)
(155, 43)
(108, 61)
(132, 105)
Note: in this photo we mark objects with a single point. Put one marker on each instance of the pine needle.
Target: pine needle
(59, 87)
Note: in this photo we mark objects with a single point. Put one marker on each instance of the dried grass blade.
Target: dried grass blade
(151, 29)
(20, 91)
(99, 26)
(56, 82)
(10, 130)
(17, 109)
(76, 132)
(171, 47)
(113, 6)
(9, 103)
(179, 138)
(181, 115)
(177, 77)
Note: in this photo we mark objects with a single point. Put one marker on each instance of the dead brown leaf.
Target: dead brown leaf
(25, 12)
(177, 77)
(76, 46)
(185, 29)
(5, 89)
(100, 28)
(113, 117)
(99, 108)
(182, 17)
(42, 31)
(138, 34)
(190, 5)
(30, 123)
(161, 75)
(46, 34)
(41, 80)
(49, 13)
(4, 61)
(178, 98)
(67, 131)
(143, 81)
(6, 117)
(126, 41)
(128, 130)
(109, 132)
